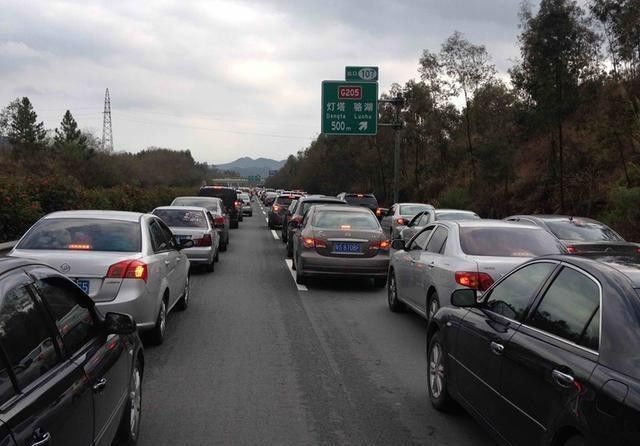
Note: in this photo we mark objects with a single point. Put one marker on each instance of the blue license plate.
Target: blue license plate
(84, 285)
(347, 248)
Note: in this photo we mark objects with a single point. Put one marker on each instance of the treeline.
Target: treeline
(44, 171)
(562, 136)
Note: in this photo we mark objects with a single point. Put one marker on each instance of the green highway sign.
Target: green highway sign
(365, 74)
(349, 108)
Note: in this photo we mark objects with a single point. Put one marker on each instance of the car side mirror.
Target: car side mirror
(186, 244)
(464, 298)
(398, 244)
(119, 323)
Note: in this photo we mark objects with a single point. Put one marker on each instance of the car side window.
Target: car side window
(391, 212)
(168, 235)
(512, 296)
(420, 242)
(25, 336)
(570, 309)
(157, 239)
(438, 240)
(69, 308)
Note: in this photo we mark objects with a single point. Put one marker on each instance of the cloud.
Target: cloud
(224, 78)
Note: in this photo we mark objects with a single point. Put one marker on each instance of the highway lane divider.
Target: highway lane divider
(289, 264)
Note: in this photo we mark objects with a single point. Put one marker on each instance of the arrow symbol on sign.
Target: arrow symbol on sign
(363, 125)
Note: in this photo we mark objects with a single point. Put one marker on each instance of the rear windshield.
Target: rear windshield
(210, 204)
(306, 205)
(507, 242)
(413, 209)
(243, 196)
(182, 218)
(228, 196)
(344, 220)
(286, 201)
(83, 234)
(457, 216)
(356, 200)
(582, 231)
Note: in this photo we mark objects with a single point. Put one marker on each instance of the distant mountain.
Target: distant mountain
(246, 166)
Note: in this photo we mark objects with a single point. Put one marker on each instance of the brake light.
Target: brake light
(571, 249)
(401, 221)
(128, 269)
(238, 203)
(477, 281)
(378, 212)
(204, 241)
(276, 208)
(309, 242)
(218, 220)
(79, 246)
(382, 245)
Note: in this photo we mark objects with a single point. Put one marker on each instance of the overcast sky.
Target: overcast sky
(223, 78)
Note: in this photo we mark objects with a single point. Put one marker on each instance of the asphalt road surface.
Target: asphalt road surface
(254, 360)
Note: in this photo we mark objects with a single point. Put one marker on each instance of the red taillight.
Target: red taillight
(571, 250)
(401, 221)
(218, 220)
(128, 269)
(204, 241)
(382, 245)
(477, 281)
(276, 208)
(378, 212)
(309, 242)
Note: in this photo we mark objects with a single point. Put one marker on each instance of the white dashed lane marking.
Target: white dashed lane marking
(275, 234)
(289, 263)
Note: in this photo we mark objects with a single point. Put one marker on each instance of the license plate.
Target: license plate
(348, 248)
(83, 284)
(182, 238)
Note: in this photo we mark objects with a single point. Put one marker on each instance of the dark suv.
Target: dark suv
(297, 214)
(278, 210)
(68, 375)
(229, 197)
(366, 200)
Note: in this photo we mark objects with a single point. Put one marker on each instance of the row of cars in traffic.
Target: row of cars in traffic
(533, 321)
(75, 292)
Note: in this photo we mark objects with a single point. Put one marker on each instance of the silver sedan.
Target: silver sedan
(449, 255)
(126, 262)
(399, 215)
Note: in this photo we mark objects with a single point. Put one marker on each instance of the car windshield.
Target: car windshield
(344, 220)
(507, 242)
(361, 200)
(182, 218)
(457, 216)
(209, 204)
(413, 209)
(580, 230)
(83, 234)
(243, 196)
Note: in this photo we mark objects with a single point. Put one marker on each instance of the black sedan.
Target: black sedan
(68, 375)
(549, 355)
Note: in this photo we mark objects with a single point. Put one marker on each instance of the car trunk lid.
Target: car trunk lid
(347, 242)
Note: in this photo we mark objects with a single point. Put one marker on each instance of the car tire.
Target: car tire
(233, 225)
(183, 303)
(576, 440)
(289, 249)
(210, 267)
(394, 303)
(437, 374)
(223, 246)
(433, 305)
(129, 427)
(217, 256)
(379, 282)
(301, 279)
(156, 335)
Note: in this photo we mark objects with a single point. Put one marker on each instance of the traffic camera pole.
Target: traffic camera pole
(397, 125)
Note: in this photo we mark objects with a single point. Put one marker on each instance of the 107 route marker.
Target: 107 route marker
(349, 108)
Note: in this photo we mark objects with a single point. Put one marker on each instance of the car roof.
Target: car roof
(99, 215)
(426, 205)
(454, 210)
(9, 263)
(346, 208)
(551, 217)
(488, 223)
(178, 207)
(199, 197)
(321, 198)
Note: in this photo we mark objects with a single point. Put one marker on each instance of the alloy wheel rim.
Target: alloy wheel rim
(392, 290)
(187, 290)
(162, 317)
(136, 403)
(436, 371)
(433, 308)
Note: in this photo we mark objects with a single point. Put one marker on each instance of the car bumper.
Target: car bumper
(134, 298)
(247, 210)
(275, 219)
(316, 264)
(199, 255)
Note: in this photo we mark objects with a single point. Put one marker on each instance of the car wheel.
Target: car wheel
(300, 277)
(433, 305)
(130, 424)
(216, 258)
(576, 440)
(437, 373)
(233, 225)
(223, 246)
(157, 333)
(379, 282)
(392, 295)
(289, 248)
(210, 267)
(183, 303)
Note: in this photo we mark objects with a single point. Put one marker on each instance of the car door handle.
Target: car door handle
(431, 265)
(179, 259)
(167, 262)
(100, 385)
(496, 348)
(40, 439)
(563, 380)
